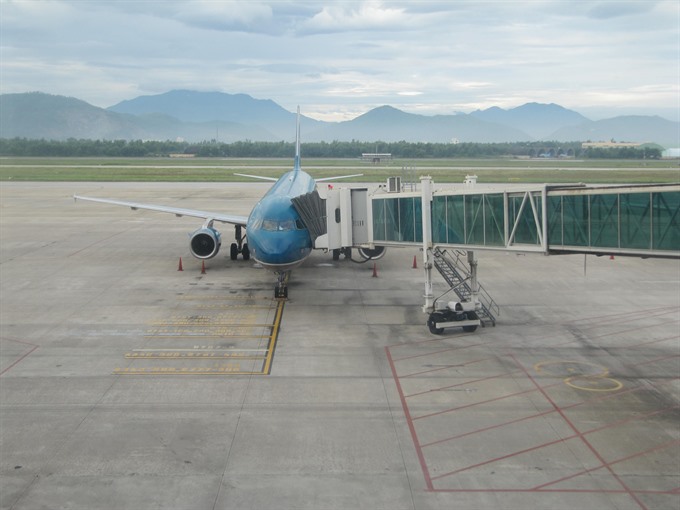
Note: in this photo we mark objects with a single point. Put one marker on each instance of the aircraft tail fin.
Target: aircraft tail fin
(297, 142)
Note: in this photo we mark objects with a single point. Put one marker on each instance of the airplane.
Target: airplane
(278, 239)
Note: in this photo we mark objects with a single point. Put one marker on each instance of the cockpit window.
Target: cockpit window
(278, 226)
(270, 224)
(287, 225)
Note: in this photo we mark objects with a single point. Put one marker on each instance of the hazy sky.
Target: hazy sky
(338, 59)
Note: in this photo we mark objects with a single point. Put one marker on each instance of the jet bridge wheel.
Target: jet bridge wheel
(471, 316)
(347, 252)
(432, 321)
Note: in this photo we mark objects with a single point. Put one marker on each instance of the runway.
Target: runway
(126, 383)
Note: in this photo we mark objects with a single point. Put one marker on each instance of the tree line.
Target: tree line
(24, 147)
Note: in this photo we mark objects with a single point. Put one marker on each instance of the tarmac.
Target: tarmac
(126, 383)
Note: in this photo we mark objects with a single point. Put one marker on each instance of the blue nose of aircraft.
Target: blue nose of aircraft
(279, 248)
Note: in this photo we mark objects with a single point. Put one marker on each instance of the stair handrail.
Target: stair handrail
(458, 265)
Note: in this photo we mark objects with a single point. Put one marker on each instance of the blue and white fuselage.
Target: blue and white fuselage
(277, 237)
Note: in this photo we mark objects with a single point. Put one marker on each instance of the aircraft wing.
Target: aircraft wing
(177, 211)
(325, 179)
(262, 177)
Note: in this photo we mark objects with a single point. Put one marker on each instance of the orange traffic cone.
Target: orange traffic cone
(203, 267)
(375, 270)
(611, 257)
(415, 264)
(179, 268)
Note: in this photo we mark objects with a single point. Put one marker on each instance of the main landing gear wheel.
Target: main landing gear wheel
(239, 246)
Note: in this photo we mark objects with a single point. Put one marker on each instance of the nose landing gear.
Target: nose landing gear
(281, 289)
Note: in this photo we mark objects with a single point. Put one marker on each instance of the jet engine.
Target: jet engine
(205, 243)
(374, 253)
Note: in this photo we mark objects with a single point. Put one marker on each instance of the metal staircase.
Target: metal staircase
(458, 275)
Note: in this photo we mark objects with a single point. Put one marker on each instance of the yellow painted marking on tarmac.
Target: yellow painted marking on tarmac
(240, 299)
(217, 335)
(560, 366)
(232, 307)
(201, 321)
(615, 383)
(232, 369)
(238, 325)
(201, 348)
(274, 335)
(190, 355)
(588, 381)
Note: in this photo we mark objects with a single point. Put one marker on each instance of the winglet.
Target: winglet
(297, 141)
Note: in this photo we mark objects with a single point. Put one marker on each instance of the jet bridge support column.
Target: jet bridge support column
(426, 188)
(474, 286)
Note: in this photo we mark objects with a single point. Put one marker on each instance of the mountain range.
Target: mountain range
(200, 116)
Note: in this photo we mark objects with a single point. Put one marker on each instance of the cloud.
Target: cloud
(233, 15)
(348, 16)
(614, 9)
(343, 56)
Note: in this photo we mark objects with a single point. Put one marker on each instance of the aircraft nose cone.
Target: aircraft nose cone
(279, 248)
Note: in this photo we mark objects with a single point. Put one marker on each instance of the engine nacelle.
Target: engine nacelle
(374, 253)
(205, 243)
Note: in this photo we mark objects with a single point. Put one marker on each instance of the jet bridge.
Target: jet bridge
(339, 222)
(634, 220)
(450, 225)
(637, 220)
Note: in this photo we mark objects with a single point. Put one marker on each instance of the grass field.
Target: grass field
(441, 170)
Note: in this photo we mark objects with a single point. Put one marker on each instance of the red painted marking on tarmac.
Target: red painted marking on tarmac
(637, 417)
(662, 358)
(491, 427)
(578, 435)
(409, 421)
(587, 443)
(421, 342)
(447, 367)
(636, 329)
(482, 379)
(508, 456)
(570, 406)
(644, 344)
(618, 332)
(34, 347)
(627, 316)
(539, 488)
(557, 491)
(439, 352)
(482, 402)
